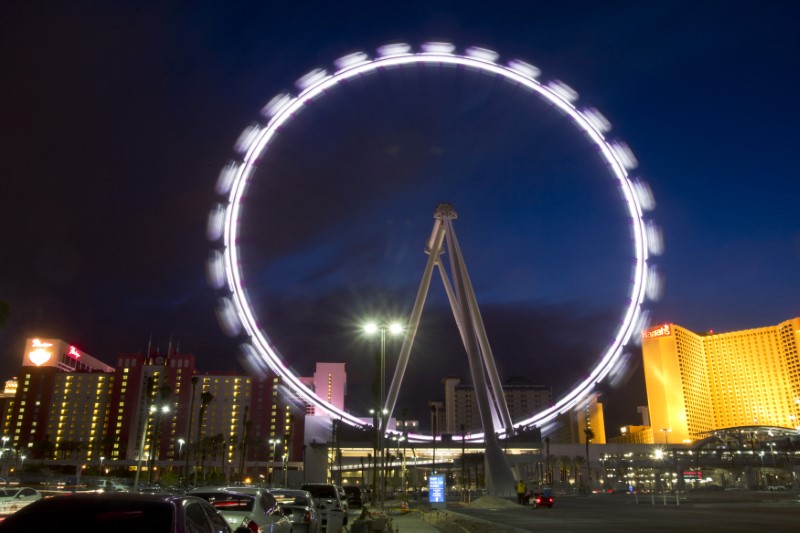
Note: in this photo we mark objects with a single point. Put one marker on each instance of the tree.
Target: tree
(205, 398)
(563, 463)
(589, 434)
(5, 311)
(577, 463)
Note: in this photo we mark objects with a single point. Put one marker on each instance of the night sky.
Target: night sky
(118, 116)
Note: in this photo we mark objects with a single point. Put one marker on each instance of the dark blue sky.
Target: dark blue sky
(118, 116)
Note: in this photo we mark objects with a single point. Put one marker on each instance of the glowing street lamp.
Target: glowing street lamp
(274, 443)
(393, 328)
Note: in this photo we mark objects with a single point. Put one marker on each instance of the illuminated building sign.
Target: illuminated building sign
(39, 353)
(659, 331)
(61, 355)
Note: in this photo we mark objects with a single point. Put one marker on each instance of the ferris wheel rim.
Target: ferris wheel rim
(255, 142)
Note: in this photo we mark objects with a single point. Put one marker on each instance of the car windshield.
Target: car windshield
(322, 491)
(228, 501)
(290, 499)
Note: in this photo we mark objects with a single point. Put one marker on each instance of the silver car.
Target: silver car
(253, 508)
(305, 517)
(15, 498)
(329, 504)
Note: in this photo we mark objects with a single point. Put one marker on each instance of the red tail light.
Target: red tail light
(307, 517)
(252, 526)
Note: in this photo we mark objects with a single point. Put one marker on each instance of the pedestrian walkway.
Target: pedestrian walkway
(394, 519)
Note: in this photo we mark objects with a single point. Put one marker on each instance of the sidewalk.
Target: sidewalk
(395, 520)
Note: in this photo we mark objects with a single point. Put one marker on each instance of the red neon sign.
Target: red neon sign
(74, 353)
(659, 331)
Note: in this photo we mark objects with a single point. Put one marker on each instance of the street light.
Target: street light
(274, 443)
(666, 437)
(154, 440)
(101, 464)
(393, 328)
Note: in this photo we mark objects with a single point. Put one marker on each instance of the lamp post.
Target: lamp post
(372, 328)
(101, 464)
(274, 443)
(181, 442)
(145, 429)
(667, 431)
(163, 410)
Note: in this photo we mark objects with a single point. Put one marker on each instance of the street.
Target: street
(606, 513)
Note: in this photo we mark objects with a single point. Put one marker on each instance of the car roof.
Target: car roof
(74, 507)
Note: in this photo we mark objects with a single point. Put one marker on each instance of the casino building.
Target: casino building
(701, 382)
(66, 404)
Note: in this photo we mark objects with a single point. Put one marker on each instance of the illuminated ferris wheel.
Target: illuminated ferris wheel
(225, 270)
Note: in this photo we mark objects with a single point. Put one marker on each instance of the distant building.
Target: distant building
(69, 405)
(633, 435)
(460, 405)
(330, 383)
(570, 427)
(699, 382)
(57, 399)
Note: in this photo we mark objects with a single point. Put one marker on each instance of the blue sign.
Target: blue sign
(436, 488)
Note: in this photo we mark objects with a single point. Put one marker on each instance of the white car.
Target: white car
(329, 504)
(15, 498)
(250, 507)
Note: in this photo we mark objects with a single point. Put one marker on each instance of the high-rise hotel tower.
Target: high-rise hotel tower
(698, 382)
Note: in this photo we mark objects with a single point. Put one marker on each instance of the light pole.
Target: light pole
(145, 429)
(154, 440)
(372, 328)
(274, 443)
(667, 431)
(181, 442)
(101, 464)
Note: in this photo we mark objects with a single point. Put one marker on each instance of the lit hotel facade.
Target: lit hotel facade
(700, 382)
(66, 404)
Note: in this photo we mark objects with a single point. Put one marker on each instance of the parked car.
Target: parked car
(251, 507)
(354, 496)
(120, 512)
(329, 504)
(304, 516)
(543, 499)
(345, 502)
(15, 498)
(110, 485)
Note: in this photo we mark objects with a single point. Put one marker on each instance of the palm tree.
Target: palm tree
(5, 310)
(205, 398)
(589, 434)
(563, 463)
(577, 463)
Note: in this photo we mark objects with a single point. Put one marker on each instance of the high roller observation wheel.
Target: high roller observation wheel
(234, 311)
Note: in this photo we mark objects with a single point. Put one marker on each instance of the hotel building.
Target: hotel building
(461, 407)
(66, 404)
(699, 382)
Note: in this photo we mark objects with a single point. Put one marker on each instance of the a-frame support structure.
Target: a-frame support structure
(488, 389)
